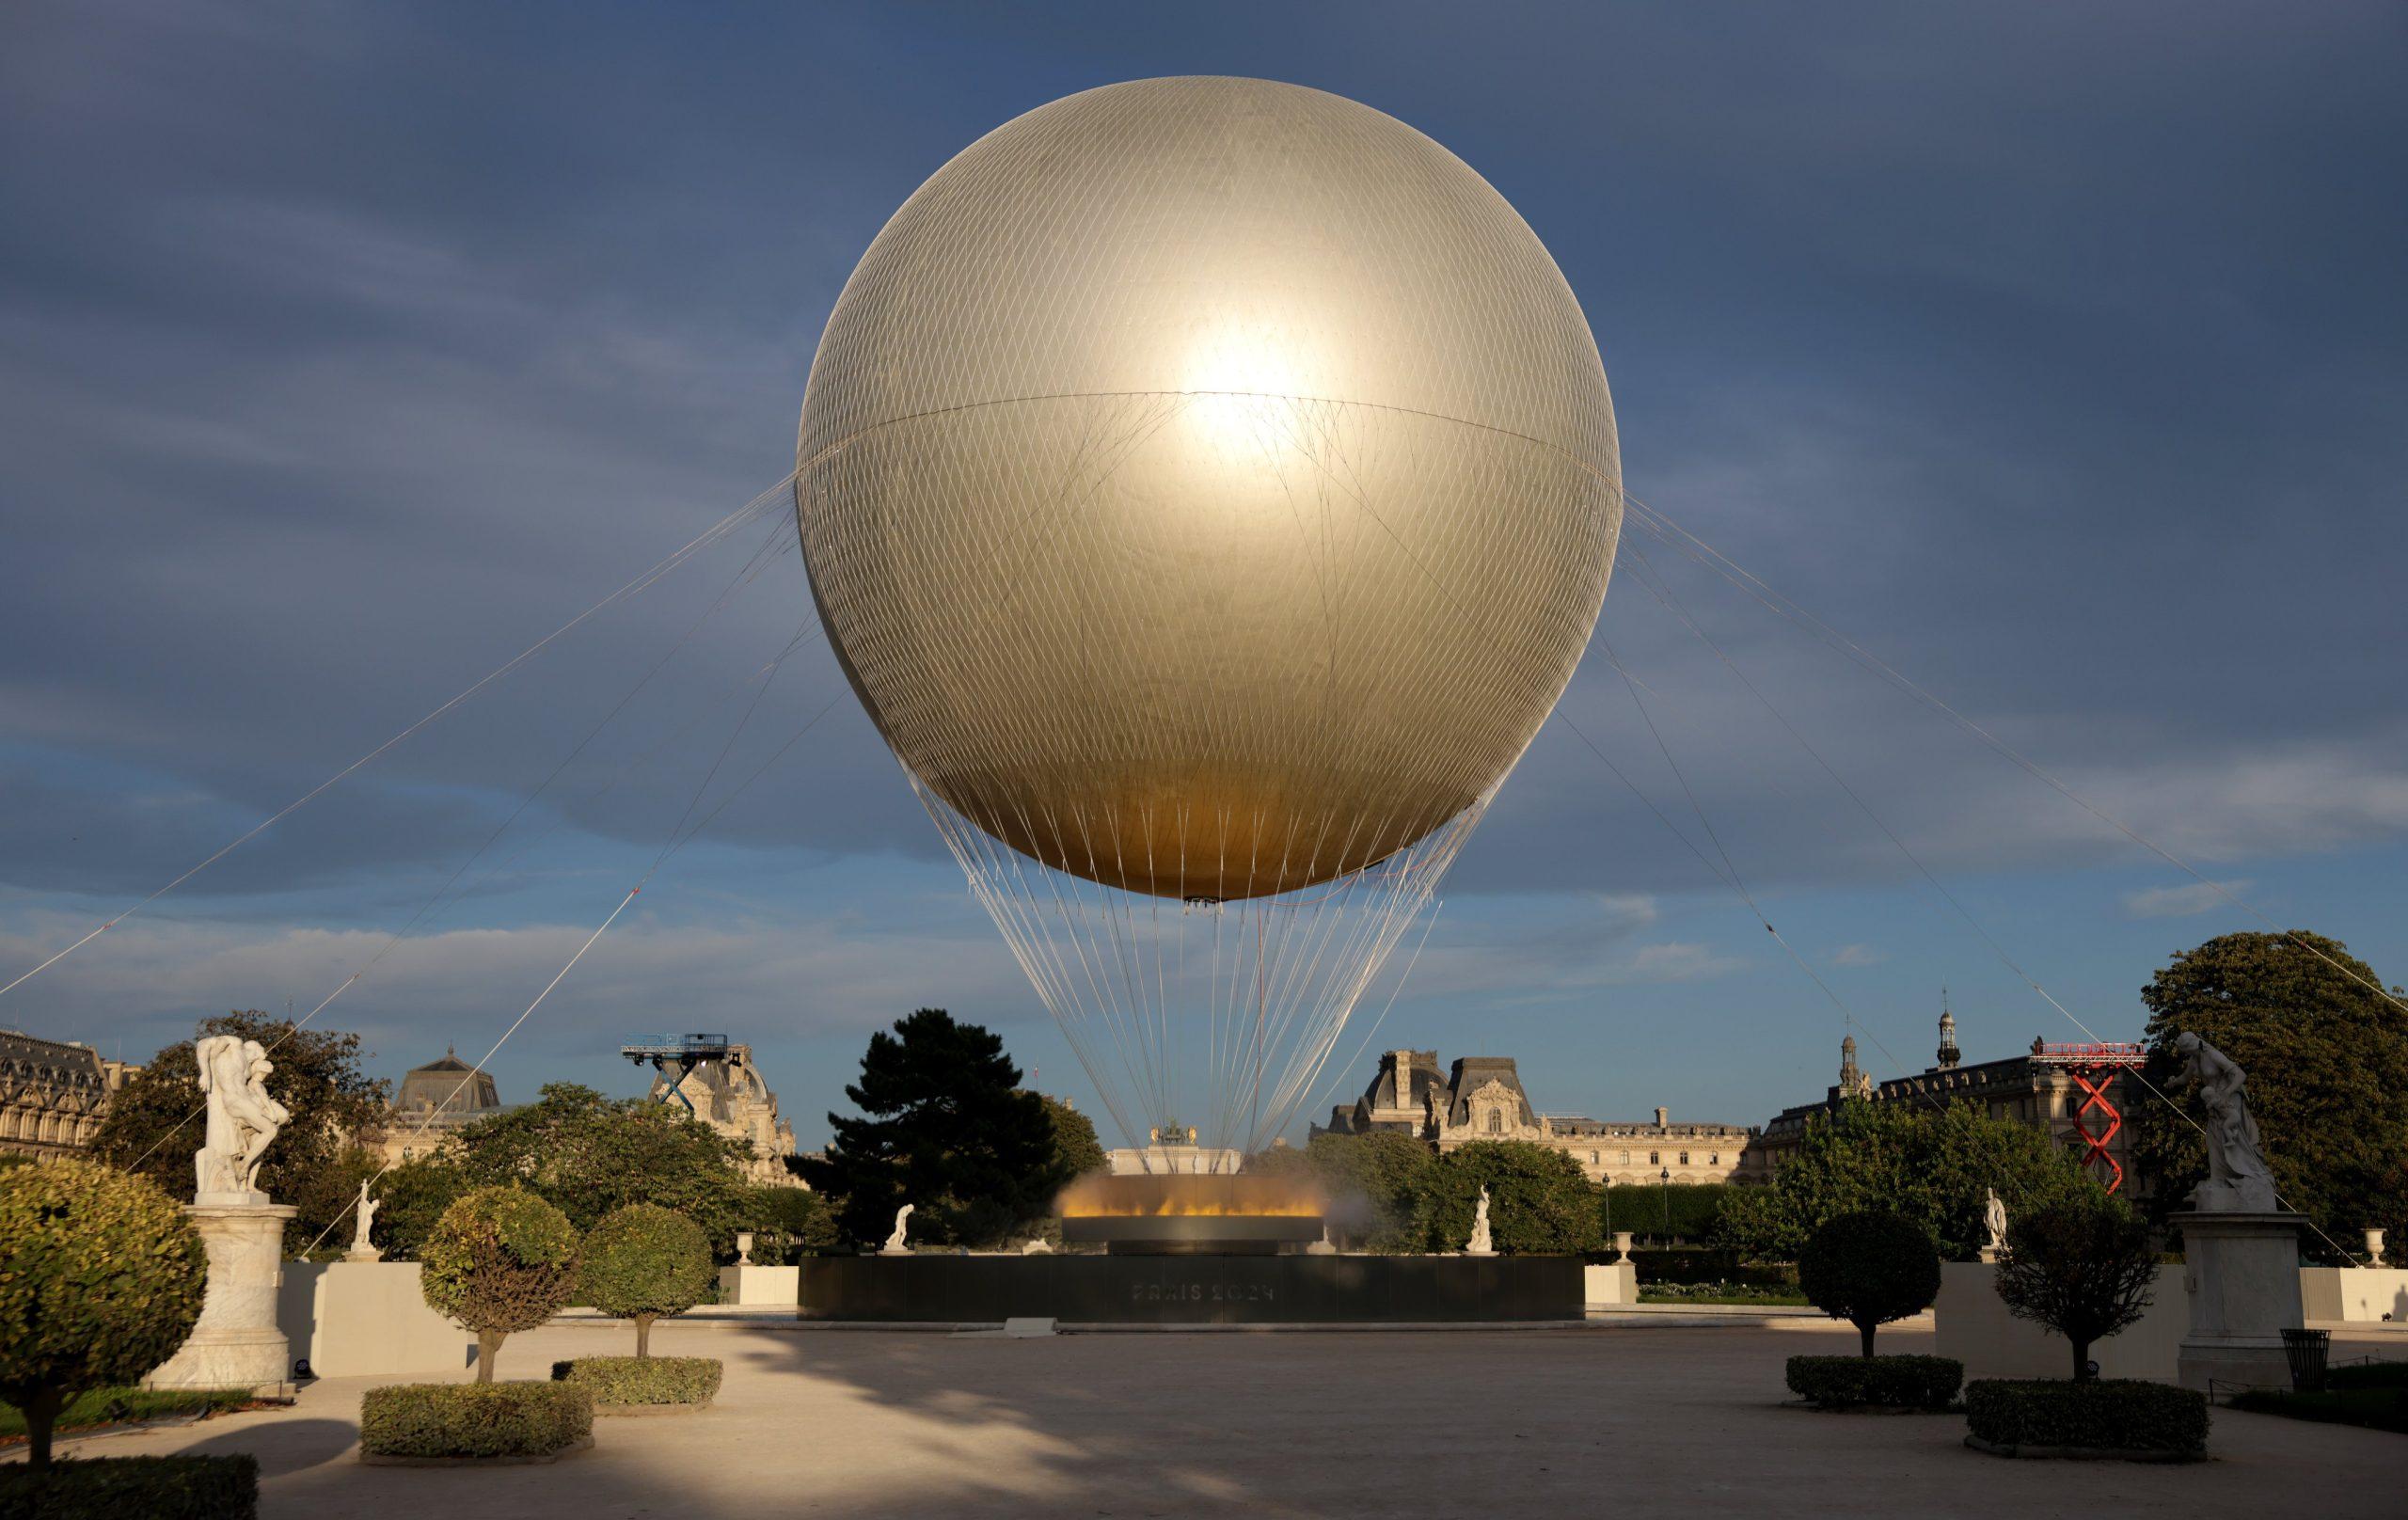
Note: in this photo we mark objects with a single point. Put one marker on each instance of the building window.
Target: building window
(1715, 1159)
(1496, 1121)
(1685, 1158)
(1652, 1158)
(1592, 1158)
(1626, 1159)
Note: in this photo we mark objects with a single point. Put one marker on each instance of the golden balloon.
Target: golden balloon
(1207, 484)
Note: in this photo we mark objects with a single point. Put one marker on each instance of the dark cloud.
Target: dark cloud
(2055, 353)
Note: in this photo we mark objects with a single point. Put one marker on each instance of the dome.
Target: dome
(1208, 485)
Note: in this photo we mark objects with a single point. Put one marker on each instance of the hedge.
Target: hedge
(1642, 1209)
(2368, 1375)
(2377, 1409)
(474, 1419)
(119, 1488)
(2113, 1414)
(642, 1379)
(1889, 1382)
(1700, 1265)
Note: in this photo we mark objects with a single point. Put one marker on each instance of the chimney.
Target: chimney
(1660, 1116)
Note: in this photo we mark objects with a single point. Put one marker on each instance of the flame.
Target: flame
(1207, 1194)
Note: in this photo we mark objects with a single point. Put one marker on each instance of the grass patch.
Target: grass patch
(2377, 1409)
(118, 1407)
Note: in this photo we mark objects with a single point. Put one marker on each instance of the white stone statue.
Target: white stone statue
(2374, 1248)
(243, 1118)
(2238, 1180)
(1481, 1245)
(363, 1249)
(896, 1243)
(1993, 1220)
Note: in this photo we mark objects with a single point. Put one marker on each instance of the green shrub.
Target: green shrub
(644, 1380)
(2083, 1267)
(1696, 1265)
(474, 1419)
(2376, 1408)
(644, 1262)
(1869, 1269)
(1895, 1381)
(500, 1259)
(2114, 1413)
(2370, 1375)
(101, 1279)
(123, 1488)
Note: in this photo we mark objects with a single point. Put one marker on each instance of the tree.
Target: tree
(2083, 1268)
(1539, 1199)
(1378, 1186)
(1868, 1269)
(101, 1279)
(949, 1131)
(787, 1224)
(587, 1155)
(1665, 1211)
(2326, 1056)
(1930, 1163)
(1076, 1148)
(644, 1262)
(500, 1260)
(155, 1121)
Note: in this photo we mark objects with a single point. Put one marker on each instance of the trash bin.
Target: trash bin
(2307, 1351)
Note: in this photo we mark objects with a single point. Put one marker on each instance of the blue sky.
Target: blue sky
(2058, 353)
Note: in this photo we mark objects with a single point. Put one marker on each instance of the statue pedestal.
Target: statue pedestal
(2241, 1271)
(364, 1253)
(235, 1343)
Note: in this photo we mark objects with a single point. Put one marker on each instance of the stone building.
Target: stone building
(53, 1093)
(435, 1101)
(2038, 1087)
(729, 1095)
(1481, 1098)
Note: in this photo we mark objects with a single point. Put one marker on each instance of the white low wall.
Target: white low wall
(1607, 1286)
(2367, 1293)
(761, 1285)
(1972, 1324)
(366, 1319)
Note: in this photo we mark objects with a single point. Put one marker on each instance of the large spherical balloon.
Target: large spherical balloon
(1207, 484)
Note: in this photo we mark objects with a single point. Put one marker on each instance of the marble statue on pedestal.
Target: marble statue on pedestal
(362, 1249)
(243, 1119)
(896, 1243)
(1481, 1245)
(235, 1343)
(2238, 1180)
(1993, 1220)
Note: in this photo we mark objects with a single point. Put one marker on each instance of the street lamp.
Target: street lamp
(1664, 1190)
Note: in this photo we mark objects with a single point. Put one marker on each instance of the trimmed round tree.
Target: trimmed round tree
(1869, 1269)
(500, 1259)
(2083, 1268)
(101, 1279)
(644, 1262)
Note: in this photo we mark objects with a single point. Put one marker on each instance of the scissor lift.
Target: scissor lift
(674, 1056)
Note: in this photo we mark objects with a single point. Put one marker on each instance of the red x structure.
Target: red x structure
(2093, 1068)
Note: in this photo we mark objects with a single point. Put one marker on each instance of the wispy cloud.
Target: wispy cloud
(1859, 954)
(2181, 902)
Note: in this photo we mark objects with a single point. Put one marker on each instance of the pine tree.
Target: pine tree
(946, 1129)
